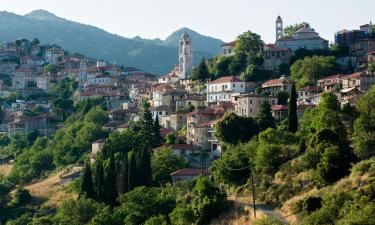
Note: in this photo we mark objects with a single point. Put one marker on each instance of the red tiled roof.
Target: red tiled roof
(311, 88)
(355, 75)
(336, 76)
(161, 108)
(165, 131)
(279, 107)
(209, 111)
(190, 172)
(226, 80)
(279, 81)
(163, 87)
(232, 43)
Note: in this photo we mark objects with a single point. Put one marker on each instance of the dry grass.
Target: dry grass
(5, 169)
(344, 184)
(51, 189)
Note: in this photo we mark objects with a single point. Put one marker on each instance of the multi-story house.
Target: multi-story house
(361, 47)
(305, 94)
(331, 83)
(191, 100)
(249, 104)
(362, 81)
(165, 94)
(274, 57)
(178, 120)
(54, 55)
(25, 124)
(227, 49)
(199, 123)
(276, 85)
(222, 89)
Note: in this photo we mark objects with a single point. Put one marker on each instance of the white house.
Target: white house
(221, 90)
(227, 49)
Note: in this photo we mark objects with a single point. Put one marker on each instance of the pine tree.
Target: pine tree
(264, 117)
(87, 186)
(201, 72)
(157, 138)
(99, 181)
(110, 182)
(133, 175)
(292, 111)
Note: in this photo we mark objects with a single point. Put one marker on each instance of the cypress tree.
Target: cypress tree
(110, 182)
(145, 168)
(87, 186)
(132, 177)
(264, 117)
(146, 127)
(292, 111)
(124, 182)
(157, 138)
(99, 181)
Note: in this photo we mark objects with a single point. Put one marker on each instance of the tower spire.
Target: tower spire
(279, 28)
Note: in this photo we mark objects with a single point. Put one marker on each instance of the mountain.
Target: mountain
(156, 56)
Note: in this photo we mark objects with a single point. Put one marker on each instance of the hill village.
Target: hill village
(186, 108)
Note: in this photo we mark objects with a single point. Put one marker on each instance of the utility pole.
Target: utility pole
(253, 191)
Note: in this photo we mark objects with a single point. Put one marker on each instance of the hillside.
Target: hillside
(156, 56)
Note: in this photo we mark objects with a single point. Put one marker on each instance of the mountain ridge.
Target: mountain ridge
(155, 56)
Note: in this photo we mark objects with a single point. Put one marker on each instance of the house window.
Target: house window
(251, 101)
(234, 85)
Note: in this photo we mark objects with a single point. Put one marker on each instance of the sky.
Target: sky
(217, 18)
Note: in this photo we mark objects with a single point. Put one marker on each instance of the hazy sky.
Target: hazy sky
(217, 18)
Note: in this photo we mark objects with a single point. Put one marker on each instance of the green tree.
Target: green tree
(291, 29)
(62, 108)
(99, 181)
(264, 117)
(124, 174)
(238, 63)
(234, 166)
(364, 126)
(292, 111)
(371, 67)
(282, 97)
(164, 163)
(201, 73)
(308, 70)
(87, 186)
(110, 182)
(249, 43)
(157, 138)
(170, 138)
(35, 41)
(133, 173)
(77, 212)
(97, 115)
(142, 203)
(50, 69)
(207, 201)
(246, 128)
(147, 128)
(157, 220)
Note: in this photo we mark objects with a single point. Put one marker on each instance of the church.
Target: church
(305, 38)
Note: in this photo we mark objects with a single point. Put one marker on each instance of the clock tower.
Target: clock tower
(185, 57)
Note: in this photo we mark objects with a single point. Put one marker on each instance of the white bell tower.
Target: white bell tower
(185, 57)
(279, 28)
